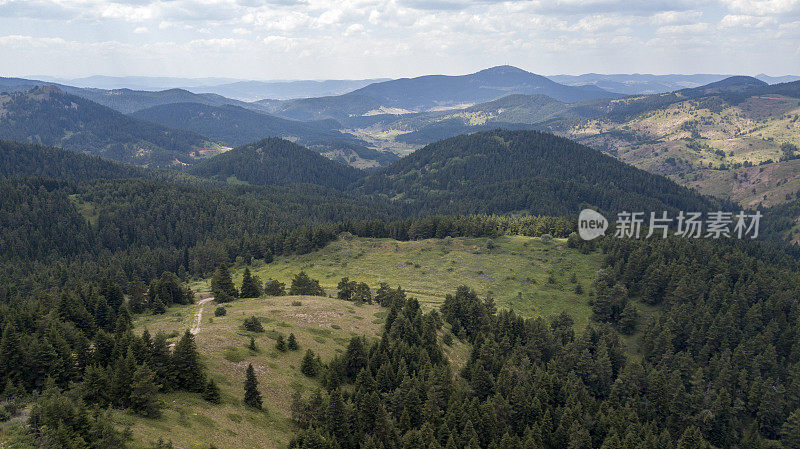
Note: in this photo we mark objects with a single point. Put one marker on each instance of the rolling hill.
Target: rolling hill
(234, 126)
(276, 161)
(524, 171)
(50, 116)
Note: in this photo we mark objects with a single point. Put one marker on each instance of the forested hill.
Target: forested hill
(234, 126)
(49, 116)
(19, 159)
(510, 171)
(275, 161)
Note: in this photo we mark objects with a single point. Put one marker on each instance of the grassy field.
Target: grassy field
(322, 324)
(524, 273)
(521, 273)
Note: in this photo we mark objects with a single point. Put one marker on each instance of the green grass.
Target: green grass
(517, 272)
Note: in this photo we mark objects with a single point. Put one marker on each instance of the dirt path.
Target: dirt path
(198, 318)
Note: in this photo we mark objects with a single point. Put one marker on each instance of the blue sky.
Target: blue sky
(314, 39)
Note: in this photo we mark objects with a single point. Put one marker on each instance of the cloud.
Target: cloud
(357, 38)
(763, 7)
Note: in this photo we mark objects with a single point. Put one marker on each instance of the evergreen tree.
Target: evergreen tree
(280, 343)
(10, 355)
(222, 285)
(252, 398)
(292, 343)
(186, 368)
(692, 438)
(252, 346)
(211, 392)
(304, 285)
(143, 399)
(274, 288)
(790, 432)
(346, 288)
(309, 364)
(251, 285)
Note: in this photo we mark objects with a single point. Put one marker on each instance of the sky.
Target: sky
(353, 39)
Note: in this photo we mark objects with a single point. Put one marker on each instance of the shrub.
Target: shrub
(220, 311)
(253, 324)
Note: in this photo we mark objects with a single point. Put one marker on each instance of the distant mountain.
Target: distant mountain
(236, 126)
(432, 92)
(153, 83)
(124, 100)
(9, 85)
(638, 84)
(332, 107)
(50, 116)
(777, 79)
(276, 161)
(285, 90)
(239, 89)
(735, 138)
(128, 101)
(525, 171)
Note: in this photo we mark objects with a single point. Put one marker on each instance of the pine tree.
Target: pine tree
(10, 355)
(143, 398)
(186, 366)
(292, 343)
(274, 288)
(309, 364)
(304, 285)
(280, 344)
(211, 392)
(251, 286)
(252, 397)
(790, 432)
(222, 285)
(692, 438)
(252, 346)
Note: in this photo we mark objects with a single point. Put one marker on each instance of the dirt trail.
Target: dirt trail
(198, 318)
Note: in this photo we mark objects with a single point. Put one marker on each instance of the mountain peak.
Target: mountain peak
(503, 70)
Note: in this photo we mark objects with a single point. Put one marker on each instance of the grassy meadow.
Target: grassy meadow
(523, 273)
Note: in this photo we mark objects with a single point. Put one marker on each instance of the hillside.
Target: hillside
(512, 171)
(515, 271)
(235, 126)
(49, 116)
(19, 159)
(733, 139)
(277, 161)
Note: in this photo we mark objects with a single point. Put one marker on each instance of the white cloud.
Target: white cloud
(356, 38)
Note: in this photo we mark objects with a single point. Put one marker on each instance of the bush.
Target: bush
(220, 311)
(253, 324)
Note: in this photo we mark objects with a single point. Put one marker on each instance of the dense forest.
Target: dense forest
(276, 161)
(693, 344)
(526, 171)
(49, 116)
(703, 380)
